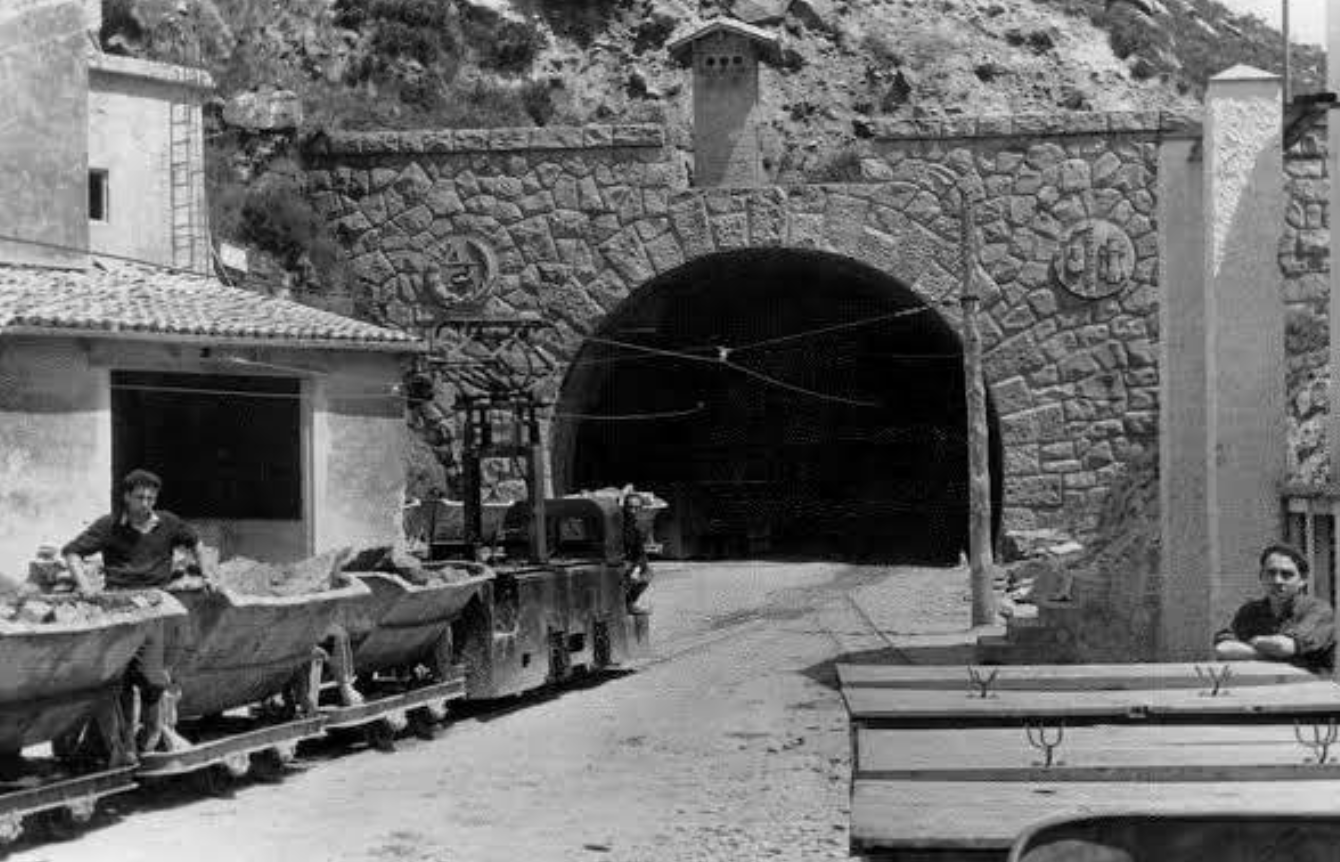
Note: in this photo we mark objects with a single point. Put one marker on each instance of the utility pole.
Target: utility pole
(980, 559)
(1288, 54)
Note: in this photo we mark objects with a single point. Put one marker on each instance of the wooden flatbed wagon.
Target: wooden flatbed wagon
(956, 762)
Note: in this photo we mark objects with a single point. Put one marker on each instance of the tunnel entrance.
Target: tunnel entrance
(784, 402)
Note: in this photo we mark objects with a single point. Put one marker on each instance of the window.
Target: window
(98, 204)
(226, 446)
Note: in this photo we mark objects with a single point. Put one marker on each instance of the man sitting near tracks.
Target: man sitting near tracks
(1286, 624)
(137, 545)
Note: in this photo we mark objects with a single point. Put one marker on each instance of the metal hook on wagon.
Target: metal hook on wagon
(1217, 678)
(1040, 737)
(1323, 737)
(983, 683)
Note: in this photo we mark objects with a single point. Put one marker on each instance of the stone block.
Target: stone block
(1012, 396)
(1021, 460)
(1011, 357)
(1063, 450)
(597, 136)
(1107, 386)
(638, 135)
(1141, 424)
(1033, 490)
(1074, 175)
(556, 138)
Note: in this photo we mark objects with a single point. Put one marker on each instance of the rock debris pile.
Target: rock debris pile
(313, 575)
(25, 612)
(411, 568)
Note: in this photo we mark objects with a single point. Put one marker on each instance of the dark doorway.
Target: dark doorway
(227, 447)
(837, 429)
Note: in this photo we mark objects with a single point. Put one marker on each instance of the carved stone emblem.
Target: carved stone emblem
(1096, 259)
(461, 273)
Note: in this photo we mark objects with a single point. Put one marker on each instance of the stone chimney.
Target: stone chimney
(725, 55)
(43, 140)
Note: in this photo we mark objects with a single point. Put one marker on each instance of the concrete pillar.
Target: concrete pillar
(1244, 339)
(1183, 474)
(1223, 371)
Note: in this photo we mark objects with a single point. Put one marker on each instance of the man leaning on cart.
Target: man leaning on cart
(137, 545)
(1286, 624)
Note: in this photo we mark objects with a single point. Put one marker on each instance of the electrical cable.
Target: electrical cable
(837, 327)
(633, 417)
(800, 390)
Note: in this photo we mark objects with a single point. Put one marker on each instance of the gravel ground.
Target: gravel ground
(729, 744)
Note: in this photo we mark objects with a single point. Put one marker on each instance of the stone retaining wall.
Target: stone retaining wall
(1305, 268)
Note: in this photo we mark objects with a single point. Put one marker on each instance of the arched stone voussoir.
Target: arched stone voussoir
(625, 254)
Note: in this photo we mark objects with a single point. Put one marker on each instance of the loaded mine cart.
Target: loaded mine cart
(246, 664)
(1084, 762)
(61, 662)
(392, 651)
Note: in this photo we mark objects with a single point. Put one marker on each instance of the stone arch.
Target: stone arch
(842, 431)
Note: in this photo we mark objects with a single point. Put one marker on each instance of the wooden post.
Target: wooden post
(980, 562)
(535, 486)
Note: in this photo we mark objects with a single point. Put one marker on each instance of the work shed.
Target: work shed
(277, 427)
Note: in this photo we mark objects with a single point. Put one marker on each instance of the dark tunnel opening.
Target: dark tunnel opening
(784, 402)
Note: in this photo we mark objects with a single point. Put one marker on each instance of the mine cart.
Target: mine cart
(399, 647)
(54, 677)
(235, 651)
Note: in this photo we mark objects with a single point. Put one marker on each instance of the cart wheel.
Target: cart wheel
(436, 712)
(237, 765)
(422, 724)
(81, 810)
(11, 827)
(213, 780)
(272, 763)
(284, 752)
(381, 735)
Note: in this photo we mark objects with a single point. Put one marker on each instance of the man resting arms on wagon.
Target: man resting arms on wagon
(137, 545)
(1286, 624)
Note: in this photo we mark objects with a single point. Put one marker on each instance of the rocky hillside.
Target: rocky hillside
(416, 63)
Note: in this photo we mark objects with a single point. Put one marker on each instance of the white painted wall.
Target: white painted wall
(56, 445)
(130, 135)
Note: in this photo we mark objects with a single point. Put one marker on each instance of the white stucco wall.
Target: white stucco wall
(1184, 603)
(130, 135)
(56, 444)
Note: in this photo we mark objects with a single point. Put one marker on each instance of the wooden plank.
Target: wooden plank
(1080, 677)
(884, 705)
(969, 815)
(1104, 745)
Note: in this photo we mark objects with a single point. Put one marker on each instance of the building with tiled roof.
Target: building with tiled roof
(126, 300)
(278, 428)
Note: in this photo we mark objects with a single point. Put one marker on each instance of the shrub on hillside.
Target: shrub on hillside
(502, 44)
(842, 166)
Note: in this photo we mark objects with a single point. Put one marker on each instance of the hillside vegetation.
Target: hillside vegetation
(472, 63)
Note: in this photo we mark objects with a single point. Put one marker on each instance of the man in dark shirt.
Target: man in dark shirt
(1287, 624)
(137, 545)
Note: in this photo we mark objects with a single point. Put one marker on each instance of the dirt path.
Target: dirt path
(730, 744)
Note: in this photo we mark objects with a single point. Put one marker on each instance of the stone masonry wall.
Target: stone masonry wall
(571, 220)
(1305, 268)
